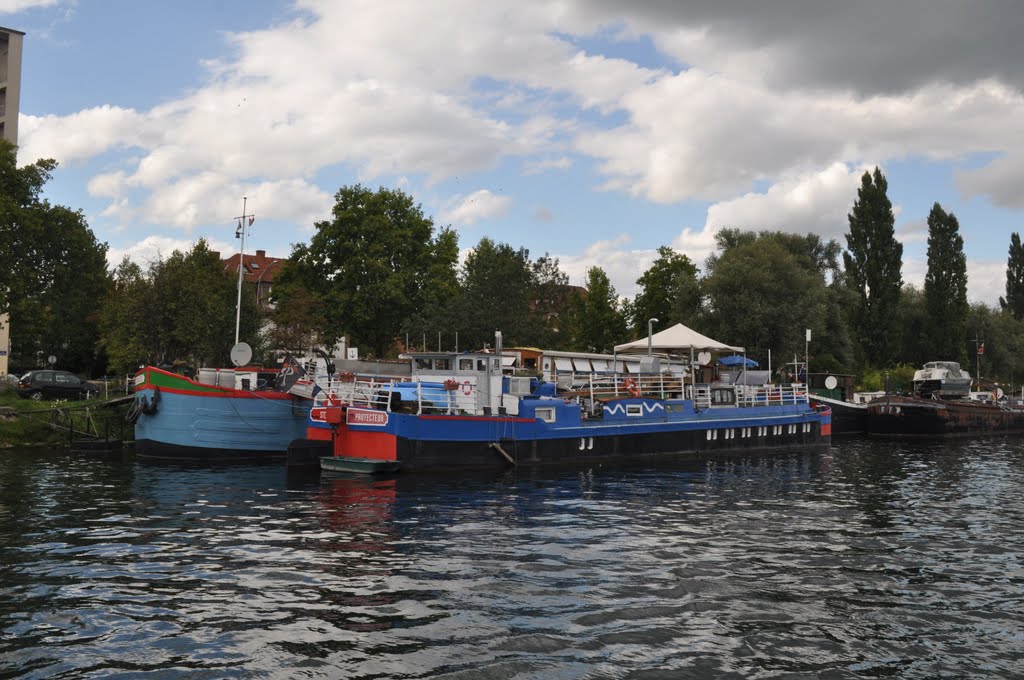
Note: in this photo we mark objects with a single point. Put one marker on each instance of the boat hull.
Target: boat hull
(847, 418)
(439, 442)
(181, 420)
(915, 418)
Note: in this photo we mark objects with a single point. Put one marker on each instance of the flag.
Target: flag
(252, 218)
(981, 348)
(290, 373)
(238, 231)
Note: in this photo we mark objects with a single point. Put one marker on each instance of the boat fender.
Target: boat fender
(134, 411)
(149, 408)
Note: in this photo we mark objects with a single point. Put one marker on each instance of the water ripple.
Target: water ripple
(870, 560)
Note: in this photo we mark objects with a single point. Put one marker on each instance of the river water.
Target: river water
(871, 560)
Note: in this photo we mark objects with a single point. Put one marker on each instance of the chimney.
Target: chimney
(261, 253)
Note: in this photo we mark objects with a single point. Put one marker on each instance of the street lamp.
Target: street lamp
(650, 331)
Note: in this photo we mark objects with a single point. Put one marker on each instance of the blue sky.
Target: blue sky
(594, 130)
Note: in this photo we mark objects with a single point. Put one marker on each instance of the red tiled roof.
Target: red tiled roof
(258, 267)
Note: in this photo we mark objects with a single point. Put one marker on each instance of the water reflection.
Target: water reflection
(872, 559)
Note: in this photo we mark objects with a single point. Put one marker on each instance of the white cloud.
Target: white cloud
(480, 205)
(816, 202)
(986, 281)
(622, 266)
(14, 6)
(153, 248)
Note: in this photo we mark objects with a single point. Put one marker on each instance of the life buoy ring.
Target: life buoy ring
(630, 386)
(467, 388)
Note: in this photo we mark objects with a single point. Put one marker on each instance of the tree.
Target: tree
(125, 327)
(57, 272)
(298, 325)
(549, 304)
(374, 264)
(872, 262)
(670, 292)
(762, 296)
(598, 321)
(497, 285)
(1014, 300)
(182, 311)
(945, 286)
(22, 222)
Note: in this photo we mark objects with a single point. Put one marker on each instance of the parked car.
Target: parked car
(48, 384)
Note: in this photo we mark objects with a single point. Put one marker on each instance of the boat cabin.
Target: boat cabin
(943, 380)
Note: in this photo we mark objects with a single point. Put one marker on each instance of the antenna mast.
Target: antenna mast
(244, 221)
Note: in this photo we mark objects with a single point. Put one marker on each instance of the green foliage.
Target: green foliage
(915, 326)
(898, 378)
(945, 286)
(1014, 300)
(181, 312)
(497, 285)
(597, 317)
(670, 292)
(764, 290)
(298, 325)
(1003, 336)
(56, 275)
(872, 263)
(373, 265)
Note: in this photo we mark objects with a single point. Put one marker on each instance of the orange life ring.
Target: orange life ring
(467, 388)
(630, 386)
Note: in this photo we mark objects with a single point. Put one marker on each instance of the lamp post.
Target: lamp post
(650, 331)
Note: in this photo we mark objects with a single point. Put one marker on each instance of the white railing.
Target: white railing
(383, 394)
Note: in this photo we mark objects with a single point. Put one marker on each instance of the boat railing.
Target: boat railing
(600, 387)
(771, 395)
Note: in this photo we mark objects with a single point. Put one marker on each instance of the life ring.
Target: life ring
(467, 388)
(630, 386)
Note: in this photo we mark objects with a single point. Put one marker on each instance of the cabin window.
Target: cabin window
(674, 408)
(481, 365)
(634, 410)
(441, 365)
(496, 364)
(465, 364)
(545, 414)
(423, 364)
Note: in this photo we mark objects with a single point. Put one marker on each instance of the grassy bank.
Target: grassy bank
(49, 423)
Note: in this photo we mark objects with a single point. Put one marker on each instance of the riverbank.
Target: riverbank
(25, 423)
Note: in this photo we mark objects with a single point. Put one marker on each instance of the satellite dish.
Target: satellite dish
(704, 358)
(831, 382)
(999, 393)
(241, 354)
(52, 359)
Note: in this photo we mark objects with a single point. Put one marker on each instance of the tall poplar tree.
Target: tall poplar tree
(1014, 300)
(945, 286)
(872, 261)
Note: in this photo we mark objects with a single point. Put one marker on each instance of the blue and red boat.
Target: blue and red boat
(461, 411)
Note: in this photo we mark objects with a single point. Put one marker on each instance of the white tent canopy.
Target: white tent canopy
(676, 338)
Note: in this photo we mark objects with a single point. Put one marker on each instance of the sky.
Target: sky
(592, 130)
